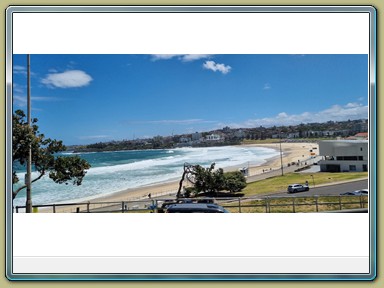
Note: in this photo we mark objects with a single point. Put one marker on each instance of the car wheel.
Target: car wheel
(294, 191)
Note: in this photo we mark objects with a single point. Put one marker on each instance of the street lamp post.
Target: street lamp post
(281, 157)
(28, 204)
(313, 180)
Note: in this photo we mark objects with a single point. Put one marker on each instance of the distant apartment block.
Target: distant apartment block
(343, 155)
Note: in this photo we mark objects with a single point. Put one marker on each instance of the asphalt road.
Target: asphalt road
(334, 189)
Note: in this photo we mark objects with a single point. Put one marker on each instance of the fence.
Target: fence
(297, 204)
(292, 204)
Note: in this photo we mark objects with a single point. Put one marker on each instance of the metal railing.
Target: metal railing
(266, 204)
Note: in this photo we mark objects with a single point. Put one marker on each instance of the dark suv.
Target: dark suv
(195, 208)
(168, 203)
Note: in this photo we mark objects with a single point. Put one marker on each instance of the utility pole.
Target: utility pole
(28, 178)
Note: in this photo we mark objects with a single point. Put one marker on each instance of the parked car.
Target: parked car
(168, 203)
(195, 208)
(356, 193)
(362, 192)
(293, 188)
(348, 194)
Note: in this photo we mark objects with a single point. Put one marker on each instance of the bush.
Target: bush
(234, 181)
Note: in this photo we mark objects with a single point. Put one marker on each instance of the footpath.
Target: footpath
(308, 164)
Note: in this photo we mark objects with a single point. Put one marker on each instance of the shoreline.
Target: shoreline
(292, 152)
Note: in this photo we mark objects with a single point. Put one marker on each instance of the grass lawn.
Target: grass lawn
(280, 183)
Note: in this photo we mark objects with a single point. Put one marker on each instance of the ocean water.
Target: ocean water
(116, 171)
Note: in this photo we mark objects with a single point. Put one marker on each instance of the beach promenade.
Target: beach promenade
(286, 169)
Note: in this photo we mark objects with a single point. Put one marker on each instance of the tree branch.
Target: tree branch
(14, 193)
(38, 178)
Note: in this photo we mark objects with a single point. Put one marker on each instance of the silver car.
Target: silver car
(356, 193)
(293, 188)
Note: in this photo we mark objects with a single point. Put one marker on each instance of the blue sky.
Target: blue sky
(84, 99)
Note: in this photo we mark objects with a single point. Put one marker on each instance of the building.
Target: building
(184, 139)
(343, 155)
(213, 137)
(196, 136)
(359, 136)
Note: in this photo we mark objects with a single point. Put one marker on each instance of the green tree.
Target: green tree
(211, 181)
(61, 169)
(206, 180)
(234, 181)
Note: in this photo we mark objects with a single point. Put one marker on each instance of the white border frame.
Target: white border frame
(21, 39)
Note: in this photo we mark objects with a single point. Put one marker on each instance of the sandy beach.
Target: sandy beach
(292, 152)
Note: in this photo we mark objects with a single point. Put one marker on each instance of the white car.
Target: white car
(297, 188)
(356, 193)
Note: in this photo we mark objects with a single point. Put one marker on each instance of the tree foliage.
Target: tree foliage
(208, 180)
(61, 169)
(234, 181)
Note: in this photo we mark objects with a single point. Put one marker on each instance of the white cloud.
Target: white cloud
(211, 65)
(18, 88)
(19, 69)
(163, 56)
(67, 79)
(350, 111)
(194, 57)
(181, 57)
(21, 101)
(267, 86)
(93, 137)
(44, 98)
(352, 105)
